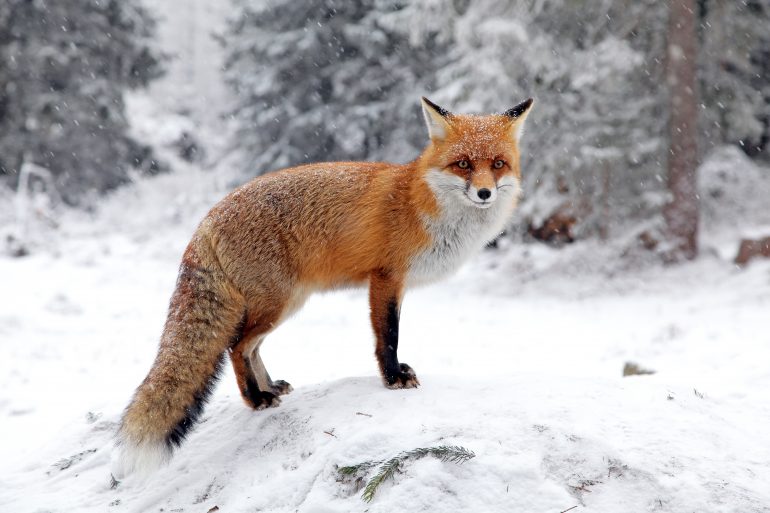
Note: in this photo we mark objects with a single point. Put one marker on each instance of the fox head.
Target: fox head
(474, 159)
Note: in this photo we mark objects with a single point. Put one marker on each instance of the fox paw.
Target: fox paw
(405, 378)
(281, 387)
(262, 400)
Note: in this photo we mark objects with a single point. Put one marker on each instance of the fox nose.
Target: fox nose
(484, 193)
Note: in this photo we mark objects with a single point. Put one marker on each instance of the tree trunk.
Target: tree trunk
(681, 214)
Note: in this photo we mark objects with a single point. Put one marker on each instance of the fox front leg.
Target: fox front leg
(385, 293)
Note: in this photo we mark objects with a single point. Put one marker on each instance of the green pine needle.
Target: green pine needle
(385, 472)
(353, 470)
(388, 468)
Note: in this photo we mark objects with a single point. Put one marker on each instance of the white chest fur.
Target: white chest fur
(461, 229)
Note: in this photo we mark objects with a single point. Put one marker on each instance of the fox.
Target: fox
(267, 246)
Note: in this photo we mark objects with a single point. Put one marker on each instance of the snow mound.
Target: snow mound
(541, 445)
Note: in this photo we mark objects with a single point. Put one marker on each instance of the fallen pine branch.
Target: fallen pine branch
(388, 468)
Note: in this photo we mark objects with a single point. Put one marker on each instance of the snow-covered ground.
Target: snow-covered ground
(519, 362)
(520, 357)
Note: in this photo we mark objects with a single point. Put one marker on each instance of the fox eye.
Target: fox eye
(498, 164)
(463, 164)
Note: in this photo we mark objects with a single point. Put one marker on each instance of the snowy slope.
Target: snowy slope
(527, 376)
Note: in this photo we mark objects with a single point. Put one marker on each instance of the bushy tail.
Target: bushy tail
(205, 318)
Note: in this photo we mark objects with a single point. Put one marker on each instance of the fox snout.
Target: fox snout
(482, 197)
(482, 190)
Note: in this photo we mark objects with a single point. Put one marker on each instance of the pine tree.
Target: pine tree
(321, 80)
(733, 67)
(66, 66)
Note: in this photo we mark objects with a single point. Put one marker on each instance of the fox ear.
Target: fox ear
(436, 118)
(518, 115)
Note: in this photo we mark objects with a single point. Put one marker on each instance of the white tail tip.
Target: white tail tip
(140, 459)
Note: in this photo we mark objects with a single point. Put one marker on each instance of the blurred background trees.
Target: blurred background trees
(65, 67)
(316, 80)
(321, 80)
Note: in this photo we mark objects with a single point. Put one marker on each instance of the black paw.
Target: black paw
(262, 400)
(281, 387)
(258, 399)
(404, 378)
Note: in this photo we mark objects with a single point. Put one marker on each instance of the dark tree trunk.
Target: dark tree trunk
(681, 213)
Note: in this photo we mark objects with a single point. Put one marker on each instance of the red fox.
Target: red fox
(268, 245)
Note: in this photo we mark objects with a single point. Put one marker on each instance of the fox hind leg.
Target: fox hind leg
(258, 390)
(278, 387)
